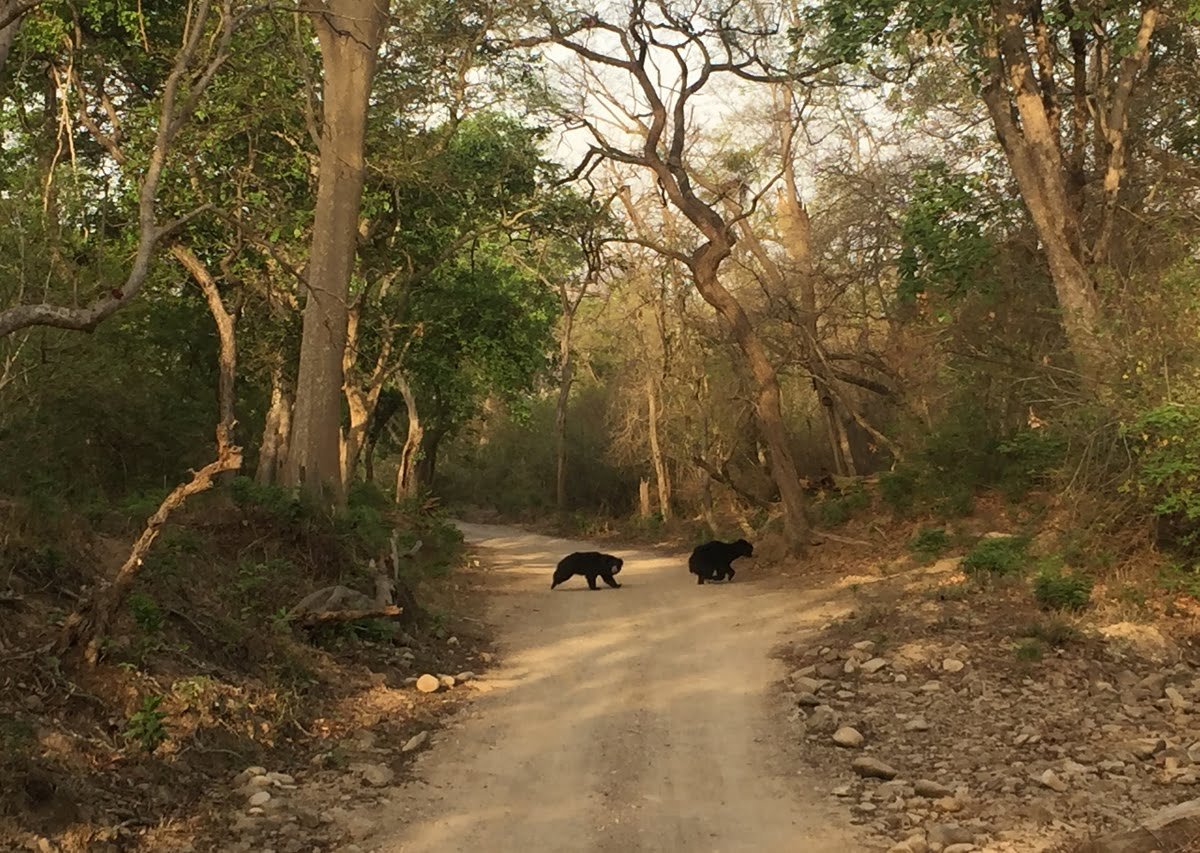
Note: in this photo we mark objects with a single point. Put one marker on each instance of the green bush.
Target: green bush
(146, 613)
(1181, 579)
(836, 510)
(1055, 590)
(1029, 457)
(929, 543)
(1167, 439)
(275, 502)
(898, 489)
(997, 557)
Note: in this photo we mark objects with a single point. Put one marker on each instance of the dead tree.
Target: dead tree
(670, 55)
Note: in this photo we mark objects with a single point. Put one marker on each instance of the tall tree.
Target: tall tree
(1059, 85)
(643, 41)
(349, 33)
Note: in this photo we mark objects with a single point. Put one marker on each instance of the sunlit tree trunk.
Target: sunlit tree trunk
(349, 33)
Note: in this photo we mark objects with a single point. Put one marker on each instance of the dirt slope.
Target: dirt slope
(632, 719)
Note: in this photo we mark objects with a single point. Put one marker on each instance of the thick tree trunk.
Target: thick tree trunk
(349, 33)
(644, 497)
(431, 442)
(407, 484)
(1033, 153)
(661, 479)
(768, 399)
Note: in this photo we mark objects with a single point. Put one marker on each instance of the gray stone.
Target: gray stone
(873, 768)
(849, 737)
(415, 742)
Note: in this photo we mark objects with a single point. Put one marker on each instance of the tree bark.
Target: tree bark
(768, 402)
(1034, 155)
(273, 447)
(661, 479)
(406, 475)
(349, 33)
(644, 497)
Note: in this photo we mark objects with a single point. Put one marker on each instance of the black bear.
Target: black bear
(590, 564)
(712, 560)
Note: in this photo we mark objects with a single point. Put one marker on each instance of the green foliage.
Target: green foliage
(997, 556)
(1181, 579)
(1028, 457)
(146, 724)
(254, 576)
(1167, 472)
(898, 489)
(836, 510)
(929, 543)
(146, 613)
(945, 248)
(1055, 589)
(275, 502)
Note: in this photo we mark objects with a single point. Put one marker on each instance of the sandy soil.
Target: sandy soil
(632, 719)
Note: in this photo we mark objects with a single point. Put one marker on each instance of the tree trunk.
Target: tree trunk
(12, 12)
(644, 497)
(349, 33)
(431, 441)
(1034, 156)
(560, 410)
(768, 402)
(406, 475)
(272, 448)
(660, 468)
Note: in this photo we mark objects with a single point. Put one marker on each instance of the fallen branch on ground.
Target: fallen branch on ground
(845, 540)
(326, 616)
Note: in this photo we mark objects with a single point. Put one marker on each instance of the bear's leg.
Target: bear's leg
(591, 579)
(608, 579)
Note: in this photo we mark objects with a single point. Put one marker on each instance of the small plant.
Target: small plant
(1181, 579)
(950, 592)
(1055, 633)
(146, 724)
(1055, 590)
(281, 621)
(929, 544)
(146, 613)
(1132, 596)
(997, 556)
(253, 576)
(1029, 650)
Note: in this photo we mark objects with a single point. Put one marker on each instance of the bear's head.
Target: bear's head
(617, 562)
(744, 548)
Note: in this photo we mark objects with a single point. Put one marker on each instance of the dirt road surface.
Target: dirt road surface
(632, 719)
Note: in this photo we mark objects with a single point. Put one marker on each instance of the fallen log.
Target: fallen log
(325, 617)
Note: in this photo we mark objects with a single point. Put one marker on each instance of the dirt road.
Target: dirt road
(632, 719)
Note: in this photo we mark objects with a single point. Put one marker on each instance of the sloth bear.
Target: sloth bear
(712, 560)
(590, 564)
